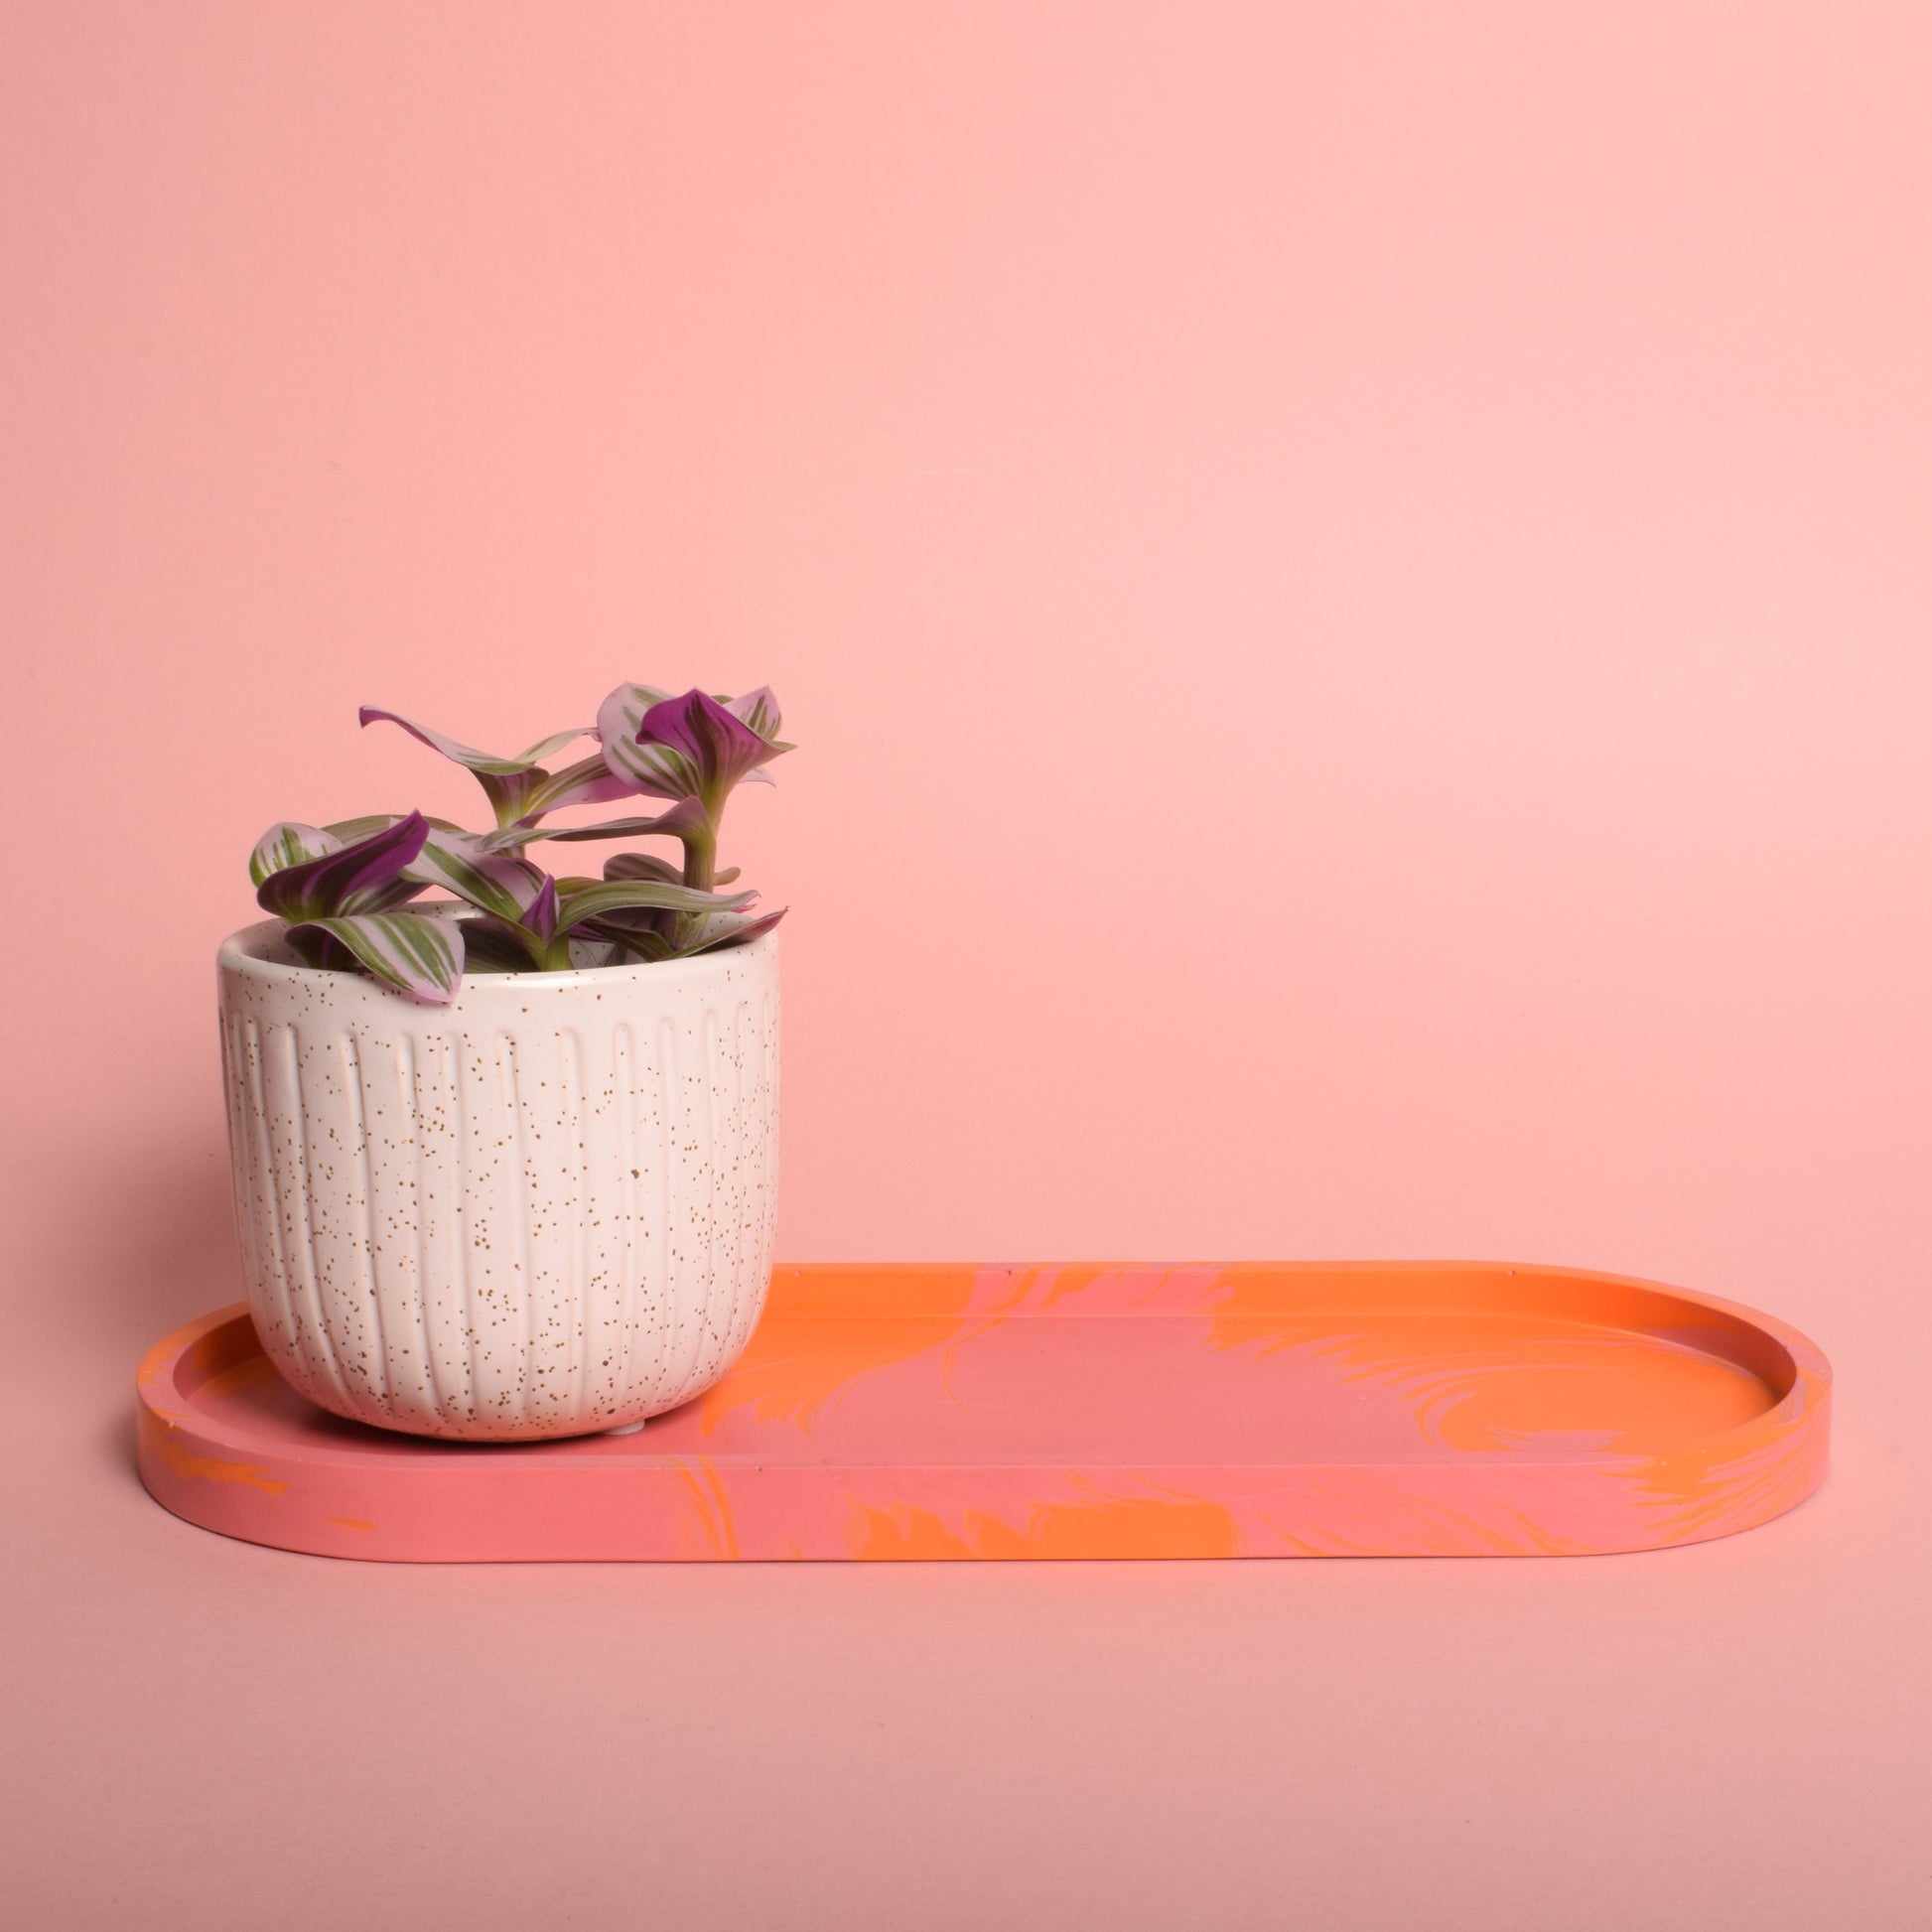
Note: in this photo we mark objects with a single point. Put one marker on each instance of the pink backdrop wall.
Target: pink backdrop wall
(1354, 586)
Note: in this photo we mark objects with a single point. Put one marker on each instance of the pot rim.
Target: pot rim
(258, 952)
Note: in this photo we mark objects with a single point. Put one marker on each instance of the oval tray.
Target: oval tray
(1287, 1409)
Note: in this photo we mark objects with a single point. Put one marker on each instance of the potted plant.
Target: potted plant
(505, 1158)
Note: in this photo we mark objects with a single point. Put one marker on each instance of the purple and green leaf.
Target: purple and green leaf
(653, 895)
(415, 953)
(683, 820)
(589, 781)
(291, 844)
(720, 929)
(621, 714)
(498, 883)
(543, 917)
(519, 788)
(482, 762)
(642, 865)
(493, 945)
(337, 886)
(367, 876)
(760, 710)
(691, 746)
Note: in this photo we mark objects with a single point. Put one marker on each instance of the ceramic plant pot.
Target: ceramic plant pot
(543, 1210)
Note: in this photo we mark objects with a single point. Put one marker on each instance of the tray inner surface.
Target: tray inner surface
(1290, 1409)
(1110, 1370)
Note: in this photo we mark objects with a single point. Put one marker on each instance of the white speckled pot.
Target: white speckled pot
(545, 1209)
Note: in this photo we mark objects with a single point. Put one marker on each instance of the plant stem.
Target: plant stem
(700, 868)
(700, 858)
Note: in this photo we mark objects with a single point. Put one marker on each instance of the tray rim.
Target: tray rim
(1805, 1402)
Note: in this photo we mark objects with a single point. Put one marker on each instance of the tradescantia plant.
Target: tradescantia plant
(349, 892)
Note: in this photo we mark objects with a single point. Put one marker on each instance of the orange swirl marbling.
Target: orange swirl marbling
(948, 1412)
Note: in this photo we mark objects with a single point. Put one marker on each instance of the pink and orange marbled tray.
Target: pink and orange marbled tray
(937, 1410)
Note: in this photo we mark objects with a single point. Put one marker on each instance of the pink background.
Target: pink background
(1353, 584)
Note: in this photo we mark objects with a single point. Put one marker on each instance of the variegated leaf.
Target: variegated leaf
(512, 838)
(662, 770)
(644, 865)
(497, 883)
(589, 781)
(508, 796)
(382, 897)
(623, 894)
(347, 830)
(686, 816)
(713, 741)
(497, 946)
(289, 844)
(466, 756)
(629, 941)
(417, 955)
(622, 712)
(313, 948)
(720, 929)
(692, 744)
(542, 916)
(367, 876)
(760, 710)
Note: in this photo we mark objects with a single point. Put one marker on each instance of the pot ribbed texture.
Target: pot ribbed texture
(544, 1210)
